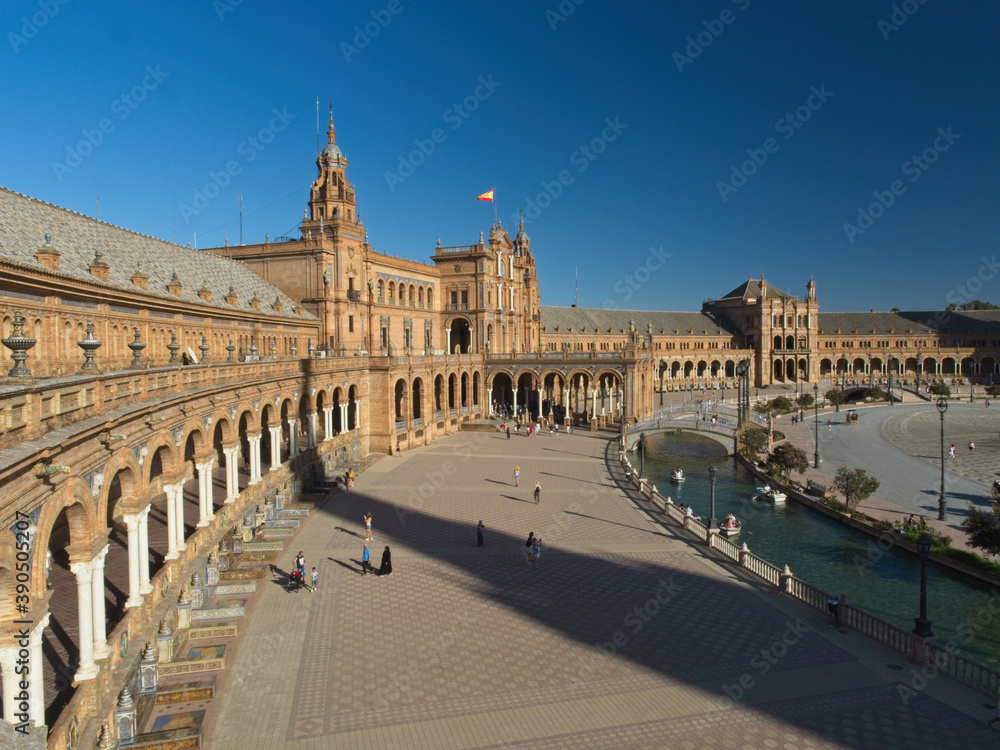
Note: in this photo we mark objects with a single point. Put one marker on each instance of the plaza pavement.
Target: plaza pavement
(901, 447)
(464, 647)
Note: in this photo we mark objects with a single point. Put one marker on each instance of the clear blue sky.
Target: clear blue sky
(180, 88)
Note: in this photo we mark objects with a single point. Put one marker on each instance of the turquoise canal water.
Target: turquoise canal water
(827, 554)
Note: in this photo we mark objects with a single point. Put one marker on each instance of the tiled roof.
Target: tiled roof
(971, 322)
(25, 221)
(595, 319)
(751, 289)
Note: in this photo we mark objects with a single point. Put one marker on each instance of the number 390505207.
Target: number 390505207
(23, 544)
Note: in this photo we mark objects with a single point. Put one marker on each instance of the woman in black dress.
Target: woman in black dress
(385, 569)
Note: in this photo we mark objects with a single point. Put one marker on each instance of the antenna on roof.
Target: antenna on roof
(576, 286)
(317, 130)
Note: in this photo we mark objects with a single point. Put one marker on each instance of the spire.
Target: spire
(330, 132)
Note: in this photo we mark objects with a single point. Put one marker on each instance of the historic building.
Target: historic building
(162, 399)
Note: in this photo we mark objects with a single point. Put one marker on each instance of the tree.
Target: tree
(835, 396)
(993, 390)
(895, 310)
(855, 485)
(983, 528)
(763, 407)
(753, 442)
(787, 457)
(973, 305)
(940, 389)
(806, 400)
(877, 394)
(782, 404)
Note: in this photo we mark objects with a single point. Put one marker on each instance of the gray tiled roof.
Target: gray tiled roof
(597, 319)
(971, 322)
(24, 222)
(751, 288)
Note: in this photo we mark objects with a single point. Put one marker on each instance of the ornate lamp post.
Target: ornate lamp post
(923, 625)
(712, 473)
(816, 411)
(801, 394)
(942, 407)
(888, 359)
(642, 454)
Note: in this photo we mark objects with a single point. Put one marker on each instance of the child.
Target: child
(315, 578)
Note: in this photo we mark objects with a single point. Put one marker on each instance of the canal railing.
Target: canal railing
(923, 651)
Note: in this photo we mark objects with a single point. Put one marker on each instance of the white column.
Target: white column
(328, 423)
(539, 404)
(489, 400)
(101, 649)
(593, 403)
(565, 403)
(447, 333)
(232, 474)
(36, 678)
(311, 430)
(205, 512)
(612, 390)
(179, 509)
(169, 491)
(357, 414)
(343, 417)
(275, 447)
(85, 615)
(145, 587)
(254, 441)
(293, 437)
(8, 662)
(134, 597)
(514, 390)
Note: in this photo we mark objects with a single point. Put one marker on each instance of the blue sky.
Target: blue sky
(664, 151)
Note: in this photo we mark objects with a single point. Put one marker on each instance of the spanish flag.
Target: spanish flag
(487, 196)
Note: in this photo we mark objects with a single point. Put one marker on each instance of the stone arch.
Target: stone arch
(399, 400)
(461, 335)
(417, 398)
(338, 399)
(77, 500)
(825, 367)
(352, 401)
(464, 393)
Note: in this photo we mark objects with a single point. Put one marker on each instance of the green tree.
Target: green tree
(877, 394)
(983, 528)
(835, 396)
(786, 458)
(806, 400)
(973, 305)
(940, 389)
(782, 404)
(993, 390)
(763, 407)
(895, 310)
(753, 442)
(855, 485)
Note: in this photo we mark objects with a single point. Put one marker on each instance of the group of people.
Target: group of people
(534, 549)
(299, 574)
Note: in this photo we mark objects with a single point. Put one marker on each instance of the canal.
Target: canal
(827, 554)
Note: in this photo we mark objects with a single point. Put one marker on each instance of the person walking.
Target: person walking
(972, 447)
(385, 569)
(315, 579)
(479, 534)
(508, 433)
(368, 527)
(951, 452)
(366, 556)
(536, 553)
(517, 476)
(538, 492)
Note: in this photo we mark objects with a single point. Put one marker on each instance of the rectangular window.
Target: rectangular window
(454, 298)
(465, 298)
(350, 323)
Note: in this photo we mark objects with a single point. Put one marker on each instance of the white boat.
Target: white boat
(730, 527)
(771, 494)
(677, 476)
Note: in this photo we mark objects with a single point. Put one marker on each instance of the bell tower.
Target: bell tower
(331, 196)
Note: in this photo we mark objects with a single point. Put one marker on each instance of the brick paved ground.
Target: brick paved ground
(626, 636)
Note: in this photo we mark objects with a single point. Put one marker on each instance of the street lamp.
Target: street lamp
(712, 473)
(888, 359)
(923, 625)
(801, 409)
(942, 407)
(816, 410)
(642, 454)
